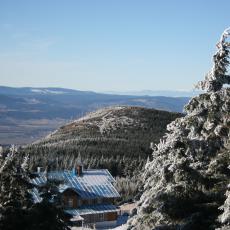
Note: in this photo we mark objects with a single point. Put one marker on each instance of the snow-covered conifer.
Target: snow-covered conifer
(186, 180)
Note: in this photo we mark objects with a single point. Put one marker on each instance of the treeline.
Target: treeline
(126, 170)
(123, 147)
(118, 165)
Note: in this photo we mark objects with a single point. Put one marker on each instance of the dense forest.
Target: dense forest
(115, 138)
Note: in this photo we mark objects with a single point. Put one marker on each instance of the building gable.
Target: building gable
(92, 184)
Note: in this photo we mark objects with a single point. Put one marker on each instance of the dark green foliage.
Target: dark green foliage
(14, 196)
(122, 147)
(187, 182)
(17, 210)
(48, 214)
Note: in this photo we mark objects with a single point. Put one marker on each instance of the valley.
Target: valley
(28, 114)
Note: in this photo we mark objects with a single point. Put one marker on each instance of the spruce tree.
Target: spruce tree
(49, 214)
(186, 181)
(15, 198)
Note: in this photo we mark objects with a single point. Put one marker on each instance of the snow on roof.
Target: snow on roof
(76, 218)
(92, 209)
(35, 194)
(91, 184)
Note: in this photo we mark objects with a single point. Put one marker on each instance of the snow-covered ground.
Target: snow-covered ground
(47, 91)
(125, 210)
(109, 119)
(121, 225)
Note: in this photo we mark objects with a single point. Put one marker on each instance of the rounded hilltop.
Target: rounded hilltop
(116, 124)
(109, 133)
(115, 138)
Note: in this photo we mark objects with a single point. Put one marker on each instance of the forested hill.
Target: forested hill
(106, 138)
(115, 138)
(27, 114)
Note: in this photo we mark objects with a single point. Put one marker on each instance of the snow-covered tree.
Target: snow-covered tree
(186, 182)
(15, 198)
(17, 210)
(217, 77)
(1, 151)
(48, 214)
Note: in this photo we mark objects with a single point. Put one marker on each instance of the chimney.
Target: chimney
(79, 170)
(73, 171)
(79, 167)
(38, 169)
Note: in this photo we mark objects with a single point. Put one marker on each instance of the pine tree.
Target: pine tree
(14, 196)
(49, 214)
(186, 181)
(17, 210)
(217, 77)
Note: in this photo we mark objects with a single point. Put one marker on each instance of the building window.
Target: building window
(84, 202)
(70, 202)
(90, 202)
(80, 202)
(95, 201)
(101, 216)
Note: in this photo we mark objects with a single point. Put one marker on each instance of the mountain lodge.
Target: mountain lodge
(87, 195)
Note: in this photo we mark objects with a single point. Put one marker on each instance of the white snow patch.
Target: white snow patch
(47, 91)
(107, 119)
(100, 113)
(123, 227)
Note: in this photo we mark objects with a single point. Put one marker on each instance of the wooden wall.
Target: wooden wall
(70, 194)
(110, 216)
(93, 218)
(78, 202)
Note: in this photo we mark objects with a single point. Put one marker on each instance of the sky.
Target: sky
(109, 45)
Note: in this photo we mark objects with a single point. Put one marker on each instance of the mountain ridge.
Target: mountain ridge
(107, 121)
(27, 113)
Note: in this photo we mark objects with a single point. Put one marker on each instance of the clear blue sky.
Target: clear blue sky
(109, 45)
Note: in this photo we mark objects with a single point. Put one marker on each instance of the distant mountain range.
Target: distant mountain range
(166, 93)
(27, 114)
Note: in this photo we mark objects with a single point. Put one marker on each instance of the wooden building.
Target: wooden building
(88, 195)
